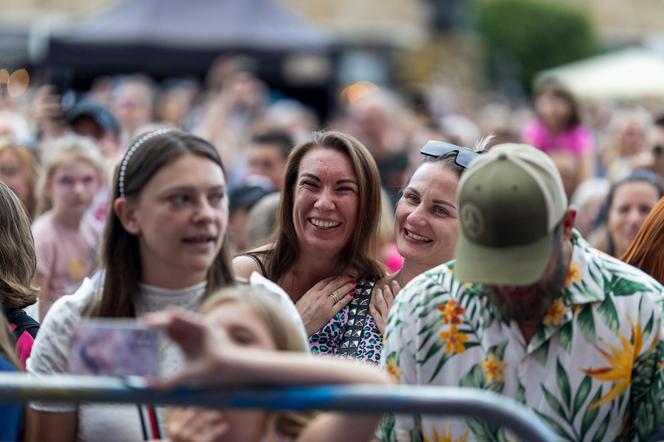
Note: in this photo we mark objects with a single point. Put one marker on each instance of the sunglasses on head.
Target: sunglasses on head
(438, 149)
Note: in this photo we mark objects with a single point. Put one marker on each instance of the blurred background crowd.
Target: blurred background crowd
(581, 80)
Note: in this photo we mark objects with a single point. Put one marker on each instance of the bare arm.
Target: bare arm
(42, 283)
(213, 358)
(45, 426)
(243, 266)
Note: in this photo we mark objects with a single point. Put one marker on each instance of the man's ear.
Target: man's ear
(567, 222)
(126, 213)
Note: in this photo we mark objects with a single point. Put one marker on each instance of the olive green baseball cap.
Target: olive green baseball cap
(510, 201)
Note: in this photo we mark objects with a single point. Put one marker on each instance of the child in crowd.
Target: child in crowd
(558, 127)
(164, 244)
(244, 338)
(66, 241)
(17, 269)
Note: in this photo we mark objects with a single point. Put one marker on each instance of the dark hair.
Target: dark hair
(448, 161)
(120, 254)
(659, 121)
(359, 253)
(561, 92)
(641, 175)
(276, 137)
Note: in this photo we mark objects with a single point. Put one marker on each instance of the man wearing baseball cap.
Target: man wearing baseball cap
(530, 311)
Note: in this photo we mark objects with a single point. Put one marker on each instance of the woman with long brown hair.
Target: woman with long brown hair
(17, 270)
(165, 244)
(324, 254)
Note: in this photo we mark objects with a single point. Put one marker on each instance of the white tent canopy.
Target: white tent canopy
(626, 74)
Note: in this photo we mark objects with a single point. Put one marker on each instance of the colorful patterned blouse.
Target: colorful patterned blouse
(351, 333)
(594, 371)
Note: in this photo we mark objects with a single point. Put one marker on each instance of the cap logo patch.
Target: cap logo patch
(472, 221)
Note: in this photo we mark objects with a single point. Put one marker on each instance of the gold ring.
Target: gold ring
(334, 297)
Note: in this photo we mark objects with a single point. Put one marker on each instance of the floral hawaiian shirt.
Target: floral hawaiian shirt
(594, 371)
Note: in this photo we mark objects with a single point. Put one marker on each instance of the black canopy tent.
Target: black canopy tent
(170, 38)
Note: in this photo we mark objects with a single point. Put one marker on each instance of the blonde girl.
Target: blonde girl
(66, 241)
(246, 338)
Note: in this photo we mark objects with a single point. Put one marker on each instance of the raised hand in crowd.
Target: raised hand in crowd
(47, 112)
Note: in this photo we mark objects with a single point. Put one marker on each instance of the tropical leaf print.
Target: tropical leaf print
(555, 426)
(591, 414)
(589, 372)
(607, 310)
(620, 286)
(566, 336)
(581, 395)
(621, 361)
(563, 384)
(392, 366)
(445, 436)
(554, 404)
(601, 430)
(586, 322)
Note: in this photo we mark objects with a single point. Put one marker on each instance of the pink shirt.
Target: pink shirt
(64, 256)
(577, 140)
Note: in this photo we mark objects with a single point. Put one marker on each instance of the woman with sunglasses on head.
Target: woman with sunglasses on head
(426, 225)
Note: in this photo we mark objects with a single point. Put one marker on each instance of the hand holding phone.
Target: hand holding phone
(115, 347)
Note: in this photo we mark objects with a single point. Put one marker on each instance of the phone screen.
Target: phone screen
(115, 348)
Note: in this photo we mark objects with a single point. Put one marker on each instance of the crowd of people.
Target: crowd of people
(509, 249)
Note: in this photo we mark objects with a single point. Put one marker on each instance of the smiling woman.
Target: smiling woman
(426, 226)
(164, 245)
(324, 255)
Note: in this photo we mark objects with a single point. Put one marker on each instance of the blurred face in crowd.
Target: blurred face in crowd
(14, 175)
(325, 201)
(174, 105)
(132, 105)
(73, 186)
(553, 109)
(266, 160)
(180, 218)
(632, 201)
(105, 140)
(426, 216)
(632, 138)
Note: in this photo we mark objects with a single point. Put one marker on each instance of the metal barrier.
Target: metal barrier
(450, 401)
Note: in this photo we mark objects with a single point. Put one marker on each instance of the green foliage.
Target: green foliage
(523, 37)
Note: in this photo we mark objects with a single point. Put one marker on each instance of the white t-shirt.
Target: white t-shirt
(102, 422)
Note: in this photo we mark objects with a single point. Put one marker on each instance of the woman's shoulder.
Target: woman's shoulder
(51, 347)
(70, 308)
(245, 263)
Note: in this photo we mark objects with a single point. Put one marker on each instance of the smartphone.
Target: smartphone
(115, 347)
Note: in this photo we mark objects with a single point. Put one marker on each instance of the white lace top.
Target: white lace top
(101, 422)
